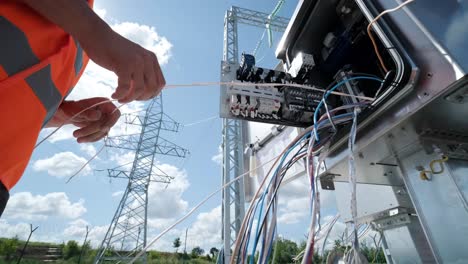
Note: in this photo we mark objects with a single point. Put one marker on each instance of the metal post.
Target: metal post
(83, 246)
(185, 243)
(27, 242)
(234, 130)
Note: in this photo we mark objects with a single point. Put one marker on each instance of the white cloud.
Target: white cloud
(26, 206)
(124, 160)
(64, 133)
(205, 232)
(218, 158)
(88, 149)
(101, 12)
(165, 201)
(147, 37)
(294, 201)
(62, 165)
(11, 230)
(76, 228)
(294, 210)
(336, 233)
(117, 193)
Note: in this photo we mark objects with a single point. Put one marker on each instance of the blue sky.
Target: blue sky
(188, 38)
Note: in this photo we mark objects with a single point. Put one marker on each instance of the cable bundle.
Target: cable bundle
(259, 228)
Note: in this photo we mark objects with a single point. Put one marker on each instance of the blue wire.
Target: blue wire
(280, 165)
(256, 232)
(261, 201)
(334, 88)
(270, 249)
(250, 229)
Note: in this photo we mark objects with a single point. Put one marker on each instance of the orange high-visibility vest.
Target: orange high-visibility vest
(39, 65)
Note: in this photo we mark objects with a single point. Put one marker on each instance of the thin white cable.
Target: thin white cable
(245, 84)
(327, 233)
(200, 121)
(352, 183)
(86, 164)
(212, 84)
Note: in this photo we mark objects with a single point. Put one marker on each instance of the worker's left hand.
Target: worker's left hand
(94, 123)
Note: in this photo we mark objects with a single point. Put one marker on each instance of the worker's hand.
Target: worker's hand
(94, 123)
(138, 71)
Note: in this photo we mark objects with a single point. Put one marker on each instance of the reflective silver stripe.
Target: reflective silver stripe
(16, 55)
(44, 88)
(79, 58)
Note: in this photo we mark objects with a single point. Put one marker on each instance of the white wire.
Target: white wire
(245, 84)
(200, 121)
(212, 84)
(352, 183)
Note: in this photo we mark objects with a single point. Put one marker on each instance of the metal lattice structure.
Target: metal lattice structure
(233, 130)
(127, 235)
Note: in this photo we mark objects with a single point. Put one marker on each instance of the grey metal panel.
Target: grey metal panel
(407, 244)
(373, 166)
(447, 22)
(459, 172)
(371, 200)
(439, 207)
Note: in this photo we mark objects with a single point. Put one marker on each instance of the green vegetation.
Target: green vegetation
(8, 248)
(285, 253)
(176, 244)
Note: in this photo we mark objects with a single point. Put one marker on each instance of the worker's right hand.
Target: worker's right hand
(138, 71)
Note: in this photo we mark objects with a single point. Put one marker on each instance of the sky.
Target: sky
(187, 37)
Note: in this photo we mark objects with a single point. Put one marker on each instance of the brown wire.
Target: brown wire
(369, 27)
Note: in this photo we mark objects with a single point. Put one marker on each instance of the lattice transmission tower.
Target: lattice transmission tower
(234, 131)
(127, 232)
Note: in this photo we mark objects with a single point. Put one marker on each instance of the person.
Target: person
(44, 48)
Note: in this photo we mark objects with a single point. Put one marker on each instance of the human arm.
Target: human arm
(94, 123)
(138, 71)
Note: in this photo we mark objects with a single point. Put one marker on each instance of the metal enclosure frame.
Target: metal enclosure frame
(234, 131)
(427, 119)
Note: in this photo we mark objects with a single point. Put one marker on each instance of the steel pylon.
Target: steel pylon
(127, 232)
(234, 130)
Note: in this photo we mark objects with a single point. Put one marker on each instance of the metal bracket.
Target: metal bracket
(393, 218)
(453, 144)
(460, 96)
(326, 181)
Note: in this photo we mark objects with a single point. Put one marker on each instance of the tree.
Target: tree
(197, 251)
(8, 248)
(285, 251)
(71, 250)
(214, 252)
(176, 244)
